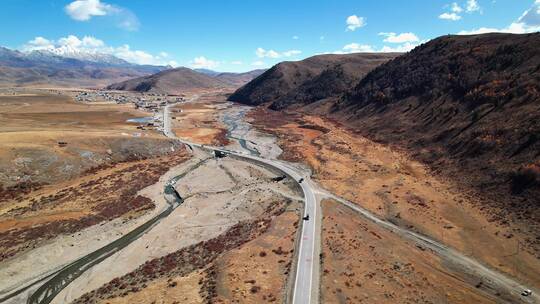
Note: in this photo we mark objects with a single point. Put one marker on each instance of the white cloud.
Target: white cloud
(295, 37)
(450, 16)
(528, 22)
(137, 56)
(258, 63)
(262, 53)
(64, 44)
(354, 22)
(84, 10)
(357, 48)
(70, 41)
(291, 53)
(39, 43)
(92, 42)
(472, 6)
(321, 38)
(454, 7)
(405, 47)
(366, 48)
(399, 38)
(202, 62)
(237, 62)
(74, 47)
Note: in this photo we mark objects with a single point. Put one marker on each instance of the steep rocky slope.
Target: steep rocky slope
(467, 105)
(309, 80)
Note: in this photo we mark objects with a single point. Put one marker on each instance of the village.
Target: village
(150, 102)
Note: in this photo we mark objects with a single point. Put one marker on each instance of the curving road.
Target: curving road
(58, 280)
(306, 284)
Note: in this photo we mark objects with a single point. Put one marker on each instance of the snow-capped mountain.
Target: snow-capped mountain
(67, 66)
(71, 53)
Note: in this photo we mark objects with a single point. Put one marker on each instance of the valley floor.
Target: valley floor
(404, 192)
(234, 237)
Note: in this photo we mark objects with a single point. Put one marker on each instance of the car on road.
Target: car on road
(526, 292)
(306, 218)
(300, 180)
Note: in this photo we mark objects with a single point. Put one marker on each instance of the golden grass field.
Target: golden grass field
(66, 166)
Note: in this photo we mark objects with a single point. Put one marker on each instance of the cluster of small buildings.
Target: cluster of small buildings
(154, 105)
(149, 102)
(92, 96)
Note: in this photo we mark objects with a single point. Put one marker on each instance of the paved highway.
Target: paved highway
(306, 286)
(306, 283)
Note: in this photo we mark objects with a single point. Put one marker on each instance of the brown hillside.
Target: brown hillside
(469, 106)
(173, 82)
(309, 80)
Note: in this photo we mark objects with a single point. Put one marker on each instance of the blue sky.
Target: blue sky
(241, 35)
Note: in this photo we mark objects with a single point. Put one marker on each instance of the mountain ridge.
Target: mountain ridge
(176, 81)
(466, 106)
(45, 68)
(288, 82)
(172, 82)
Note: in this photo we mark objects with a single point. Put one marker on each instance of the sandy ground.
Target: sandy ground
(400, 190)
(197, 121)
(180, 289)
(363, 263)
(258, 271)
(218, 194)
(234, 117)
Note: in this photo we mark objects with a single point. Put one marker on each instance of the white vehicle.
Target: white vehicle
(526, 292)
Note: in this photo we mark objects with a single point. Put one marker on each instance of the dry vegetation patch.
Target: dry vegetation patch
(199, 122)
(195, 260)
(49, 138)
(363, 263)
(257, 272)
(403, 191)
(103, 193)
(65, 166)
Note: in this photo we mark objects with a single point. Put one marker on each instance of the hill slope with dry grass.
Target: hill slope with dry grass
(303, 82)
(469, 106)
(173, 82)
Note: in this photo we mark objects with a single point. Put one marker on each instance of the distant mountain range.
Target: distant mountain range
(177, 81)
(66, 68)
(74, 68)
